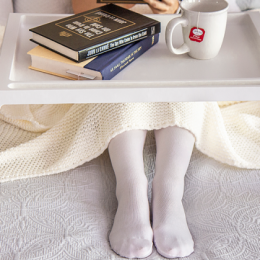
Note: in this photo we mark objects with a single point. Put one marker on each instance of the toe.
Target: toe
(186, 250)
(142, 248)
(133, 248)
(172, 247)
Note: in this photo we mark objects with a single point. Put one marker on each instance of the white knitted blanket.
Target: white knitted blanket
(39, 140)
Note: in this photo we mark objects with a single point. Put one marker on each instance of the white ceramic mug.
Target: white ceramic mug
(203, 27)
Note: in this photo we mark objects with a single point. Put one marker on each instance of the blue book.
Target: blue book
(103, 67)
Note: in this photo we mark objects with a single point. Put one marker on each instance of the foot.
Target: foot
(172, 237)
(131, 234)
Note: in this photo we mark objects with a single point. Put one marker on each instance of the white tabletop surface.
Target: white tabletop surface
(156, 76)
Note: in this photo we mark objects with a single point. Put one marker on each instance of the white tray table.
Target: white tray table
(156, 76)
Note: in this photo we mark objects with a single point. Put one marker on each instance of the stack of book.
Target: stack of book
(96, 44)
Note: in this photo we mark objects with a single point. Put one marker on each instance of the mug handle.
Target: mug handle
(168, 35)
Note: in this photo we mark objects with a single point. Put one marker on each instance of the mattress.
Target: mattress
(68, 216)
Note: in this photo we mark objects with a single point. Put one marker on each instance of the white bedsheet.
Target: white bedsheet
(68, 216)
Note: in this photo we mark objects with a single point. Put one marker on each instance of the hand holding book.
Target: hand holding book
(163, 6)
(85, 5)
(121, 1)
(157, 6)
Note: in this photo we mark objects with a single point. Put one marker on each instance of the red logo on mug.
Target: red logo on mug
(197, 34)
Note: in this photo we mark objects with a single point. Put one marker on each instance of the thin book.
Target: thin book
(91, 33)
(103, 67)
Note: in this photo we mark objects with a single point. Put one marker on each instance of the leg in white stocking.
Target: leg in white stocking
(172, 237)
(131, 234)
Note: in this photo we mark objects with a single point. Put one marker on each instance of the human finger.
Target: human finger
(158, 5)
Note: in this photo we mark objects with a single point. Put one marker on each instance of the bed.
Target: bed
(69, 215)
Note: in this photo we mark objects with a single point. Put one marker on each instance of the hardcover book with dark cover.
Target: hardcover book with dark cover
(94, 32)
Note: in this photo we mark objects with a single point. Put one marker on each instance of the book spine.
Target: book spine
(119, 42)
(128, 57)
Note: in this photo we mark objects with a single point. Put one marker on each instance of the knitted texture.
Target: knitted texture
(47, 139)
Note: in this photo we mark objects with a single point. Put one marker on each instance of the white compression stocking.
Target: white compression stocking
(172, 237)
(131, 234)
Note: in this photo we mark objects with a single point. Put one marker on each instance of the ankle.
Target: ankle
(169, 178)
